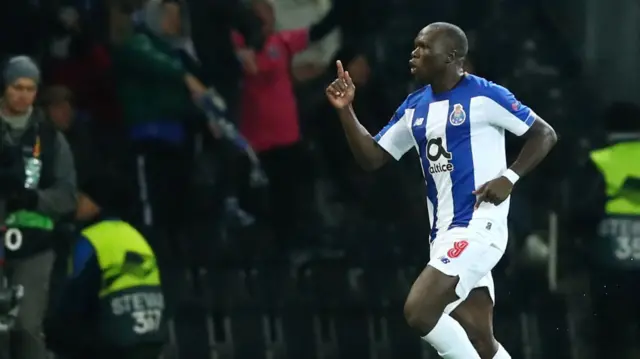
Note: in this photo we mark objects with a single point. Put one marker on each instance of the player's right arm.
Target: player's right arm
(370, 152)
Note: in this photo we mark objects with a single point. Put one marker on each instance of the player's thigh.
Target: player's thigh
(430, 291)
(469, 259)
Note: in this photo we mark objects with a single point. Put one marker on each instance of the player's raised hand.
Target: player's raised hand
(494, 192)
(341, 91)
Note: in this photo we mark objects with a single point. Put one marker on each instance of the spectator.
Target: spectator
(156, 90)
(36, 191)
(59, 106)
(294, 14)
(78, 61)
(212, 22)
(269, 117)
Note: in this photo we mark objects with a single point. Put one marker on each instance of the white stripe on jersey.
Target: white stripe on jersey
(436, 121)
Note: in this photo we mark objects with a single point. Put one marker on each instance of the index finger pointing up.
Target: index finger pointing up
(340, 69)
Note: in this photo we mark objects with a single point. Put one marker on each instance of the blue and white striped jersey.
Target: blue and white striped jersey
(460, 137)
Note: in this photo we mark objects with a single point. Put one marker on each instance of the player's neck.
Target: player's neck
(448, 81)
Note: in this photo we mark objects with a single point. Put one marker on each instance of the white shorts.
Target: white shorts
(469, 254)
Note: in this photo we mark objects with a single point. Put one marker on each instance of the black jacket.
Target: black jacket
(211, 24)
(57, 197)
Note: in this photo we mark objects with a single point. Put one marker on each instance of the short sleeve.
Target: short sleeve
(396, 137)
(503, 110)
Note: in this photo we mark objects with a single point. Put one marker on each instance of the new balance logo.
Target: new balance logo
(419, 121)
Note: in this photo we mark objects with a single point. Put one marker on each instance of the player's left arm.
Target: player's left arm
(506, 112)
(540, 139)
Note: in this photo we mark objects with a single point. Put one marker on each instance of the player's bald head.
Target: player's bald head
(450, 37)
(439, 52)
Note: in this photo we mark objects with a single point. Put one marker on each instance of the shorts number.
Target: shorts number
(458, 248)
(146, 320)
(627, 248)
(13, 239)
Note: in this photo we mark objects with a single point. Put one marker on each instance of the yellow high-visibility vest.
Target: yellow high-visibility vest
(114, 242)
(131, 300)
(620, 228)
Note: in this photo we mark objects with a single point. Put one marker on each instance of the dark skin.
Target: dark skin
(435, 61)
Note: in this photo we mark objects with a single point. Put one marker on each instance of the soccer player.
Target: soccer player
(457, 124)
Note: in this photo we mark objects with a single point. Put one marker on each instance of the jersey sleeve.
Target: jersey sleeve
(505, 111)
(396, 137)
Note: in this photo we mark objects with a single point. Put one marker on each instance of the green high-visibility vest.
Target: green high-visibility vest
(131, 299)
(619, 230)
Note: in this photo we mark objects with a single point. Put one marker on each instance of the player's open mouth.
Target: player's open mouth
(412, 66)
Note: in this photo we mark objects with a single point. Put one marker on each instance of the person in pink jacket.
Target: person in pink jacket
(269, 116)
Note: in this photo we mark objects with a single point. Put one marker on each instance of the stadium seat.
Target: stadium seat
(387, 287)
(189, 326)
(297, 316)
(234, 323)
(324, 290)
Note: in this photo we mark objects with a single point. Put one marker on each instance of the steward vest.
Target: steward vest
(27, 233)
(131, 300)
(619, 230)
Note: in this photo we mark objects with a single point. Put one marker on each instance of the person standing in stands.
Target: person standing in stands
(59, 105)
(157, 90)
(112, 305)
(212, 23)
(78, 60)
(269, 119)
(37, 187)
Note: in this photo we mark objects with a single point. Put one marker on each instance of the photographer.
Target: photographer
(37, 187)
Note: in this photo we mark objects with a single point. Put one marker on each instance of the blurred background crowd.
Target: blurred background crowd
(316, 263)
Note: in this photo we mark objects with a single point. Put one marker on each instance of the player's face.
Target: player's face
(428, 58)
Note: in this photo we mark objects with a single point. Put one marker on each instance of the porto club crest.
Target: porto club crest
(457, 116)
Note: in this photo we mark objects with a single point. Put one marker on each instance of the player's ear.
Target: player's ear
(451, 57)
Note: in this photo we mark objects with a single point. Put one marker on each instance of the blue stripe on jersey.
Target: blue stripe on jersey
(462, 176)
(422, 110)
(432, 194)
